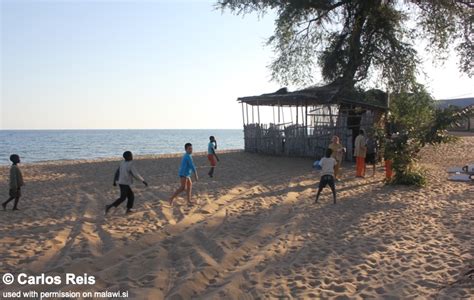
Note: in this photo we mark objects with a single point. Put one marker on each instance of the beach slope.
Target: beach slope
(255, 232)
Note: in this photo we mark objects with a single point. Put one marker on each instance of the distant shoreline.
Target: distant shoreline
(120, 129)
(117, 158)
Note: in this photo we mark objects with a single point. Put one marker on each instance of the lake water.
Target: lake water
(45, 145)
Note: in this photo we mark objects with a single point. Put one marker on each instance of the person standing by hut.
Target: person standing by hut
(338, 154)
(371, 157)
(360, 151)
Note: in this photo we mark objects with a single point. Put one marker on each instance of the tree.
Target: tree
(353, 41)
(417, 122)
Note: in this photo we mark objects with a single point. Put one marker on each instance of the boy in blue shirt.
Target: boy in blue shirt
(186, 169)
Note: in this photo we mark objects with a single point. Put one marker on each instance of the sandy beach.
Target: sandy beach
(254, 234)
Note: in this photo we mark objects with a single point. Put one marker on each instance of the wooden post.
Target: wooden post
(296, 114)
(306, 117)
(247, 109)
(258, 112)
(291, 115)
(243, 114)
(253, 120)
(283, 114)
(273, 107)
(302, 115)
(278, 112)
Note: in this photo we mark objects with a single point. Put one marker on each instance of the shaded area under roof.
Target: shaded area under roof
(322, 95)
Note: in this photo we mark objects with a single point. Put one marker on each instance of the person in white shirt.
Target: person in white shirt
(327, 175)
(124, 176)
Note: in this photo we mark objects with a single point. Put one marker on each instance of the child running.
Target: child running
(16, 182)
(186, 169)
(124, 176)
(211, 155)
(327, 175)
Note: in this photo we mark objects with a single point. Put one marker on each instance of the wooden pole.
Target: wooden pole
(258, 112)
(291, 115)
(278, 112)
(302, 115)
(243, 114)
(247, 109)
(283, 114)
(297, 113)
(273, 107)
(306, 117)
(253, 120)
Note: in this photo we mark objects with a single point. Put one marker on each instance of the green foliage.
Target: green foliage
(417, 123)
(351, 40)
(410, 177)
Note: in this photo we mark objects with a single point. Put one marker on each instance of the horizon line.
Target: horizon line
(32, 129)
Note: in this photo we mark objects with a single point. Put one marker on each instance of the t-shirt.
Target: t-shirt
(127, 172)
(371, 146)
(360, 147)
(337, 151)
(16, 178)
(210, 148)
(327, 165)
(187, 166)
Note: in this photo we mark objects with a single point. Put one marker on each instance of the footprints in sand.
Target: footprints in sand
(250, 235)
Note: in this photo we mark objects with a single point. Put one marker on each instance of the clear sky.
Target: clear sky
(140, 64)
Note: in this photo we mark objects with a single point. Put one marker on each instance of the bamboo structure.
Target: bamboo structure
(321, 113)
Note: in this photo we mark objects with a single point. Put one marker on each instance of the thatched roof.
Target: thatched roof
(328, 94)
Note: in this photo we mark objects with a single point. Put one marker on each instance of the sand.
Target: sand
(254, 234)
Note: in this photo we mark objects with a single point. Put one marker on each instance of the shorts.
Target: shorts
(15, 193)
(370, 158)
(327, 180)
(212, 159)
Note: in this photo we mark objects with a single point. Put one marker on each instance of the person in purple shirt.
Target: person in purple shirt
(186, 169)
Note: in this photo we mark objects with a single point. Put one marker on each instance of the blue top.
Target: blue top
(210, 148)
(187, 166)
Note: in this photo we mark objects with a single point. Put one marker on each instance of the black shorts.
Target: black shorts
(327, 180)
(371, 158)
(15, 193)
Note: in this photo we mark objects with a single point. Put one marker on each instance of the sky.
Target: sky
(142, 64)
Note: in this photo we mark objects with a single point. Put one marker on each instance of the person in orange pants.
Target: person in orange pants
(360, 151)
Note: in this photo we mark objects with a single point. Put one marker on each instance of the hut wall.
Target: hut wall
(311, 140)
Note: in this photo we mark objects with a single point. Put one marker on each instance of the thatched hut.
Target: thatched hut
(313, 116)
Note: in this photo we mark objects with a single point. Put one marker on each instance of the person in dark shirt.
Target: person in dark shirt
(16, 182)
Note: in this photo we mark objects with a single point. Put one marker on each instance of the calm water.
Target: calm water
(43, 145)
